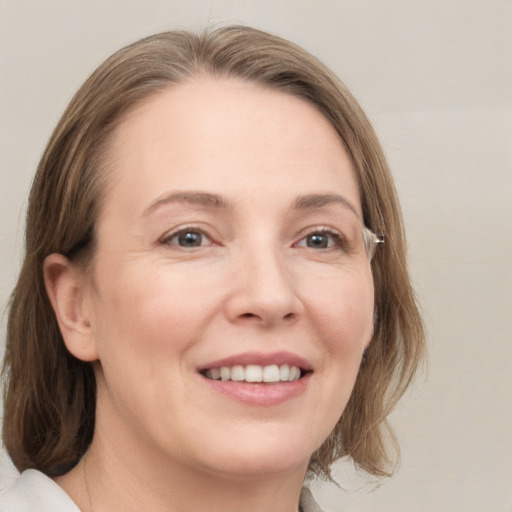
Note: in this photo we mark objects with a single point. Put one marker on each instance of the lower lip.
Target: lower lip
(259, 394)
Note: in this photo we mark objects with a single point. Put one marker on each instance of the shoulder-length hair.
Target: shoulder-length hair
(49, 395)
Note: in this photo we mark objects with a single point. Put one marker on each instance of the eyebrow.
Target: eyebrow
(313, 201)
(205, 199)
(217, 202)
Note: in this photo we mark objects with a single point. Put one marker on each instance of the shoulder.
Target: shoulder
(307, 502)
(34, 491)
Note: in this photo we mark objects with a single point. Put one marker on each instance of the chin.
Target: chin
(259, 455)
(252, 467)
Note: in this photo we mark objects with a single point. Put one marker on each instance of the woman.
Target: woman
(205, 315)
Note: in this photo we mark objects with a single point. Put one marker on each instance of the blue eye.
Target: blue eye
(187, 238)
(322, 239)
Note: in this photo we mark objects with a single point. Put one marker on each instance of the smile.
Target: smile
(255, 373)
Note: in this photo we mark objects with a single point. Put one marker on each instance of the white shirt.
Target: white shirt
(33, 491)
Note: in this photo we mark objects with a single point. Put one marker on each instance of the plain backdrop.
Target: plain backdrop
(435, 77)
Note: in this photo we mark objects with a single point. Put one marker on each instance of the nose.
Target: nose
(264, 291)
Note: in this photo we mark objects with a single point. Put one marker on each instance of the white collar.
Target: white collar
(33, 490)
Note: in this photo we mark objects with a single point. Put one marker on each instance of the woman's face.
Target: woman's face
(229, 247)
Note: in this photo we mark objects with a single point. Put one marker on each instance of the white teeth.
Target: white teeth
(255, 373)
(271, 373)
(284, 372)
(237, 373)
(294, 373)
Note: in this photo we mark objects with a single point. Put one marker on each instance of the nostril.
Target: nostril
(288, 316)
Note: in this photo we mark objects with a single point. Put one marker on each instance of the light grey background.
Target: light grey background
(435, 77)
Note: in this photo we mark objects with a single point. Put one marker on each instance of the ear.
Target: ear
(65, 288)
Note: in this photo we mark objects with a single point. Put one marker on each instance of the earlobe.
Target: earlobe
(65, 289)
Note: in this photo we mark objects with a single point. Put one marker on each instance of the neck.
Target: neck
(129, 480)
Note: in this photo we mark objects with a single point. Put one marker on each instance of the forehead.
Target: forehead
(229, 137)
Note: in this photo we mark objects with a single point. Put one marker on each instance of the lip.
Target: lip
(260, 394)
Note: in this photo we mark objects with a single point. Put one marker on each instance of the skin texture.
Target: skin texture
(153, 313)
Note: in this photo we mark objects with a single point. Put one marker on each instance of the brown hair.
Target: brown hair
(49, 395)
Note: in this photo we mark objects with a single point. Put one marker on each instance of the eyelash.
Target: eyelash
(337, 239)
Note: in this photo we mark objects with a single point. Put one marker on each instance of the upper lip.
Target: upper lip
(261, 359)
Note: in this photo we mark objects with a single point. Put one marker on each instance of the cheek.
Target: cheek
(141, 313)
(144, 316)
(147, 324)
(343, 324)
(344, 312)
